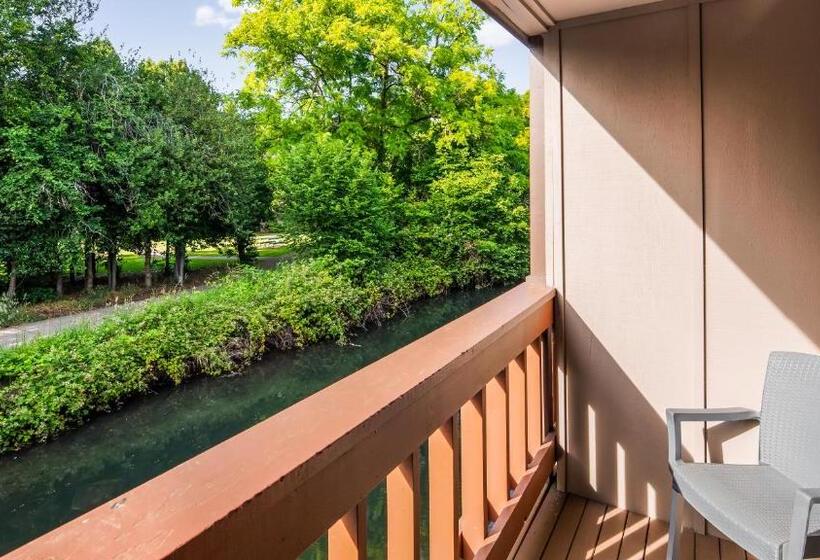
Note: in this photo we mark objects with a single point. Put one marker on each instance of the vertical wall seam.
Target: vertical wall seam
(563, 299)
(703, 220)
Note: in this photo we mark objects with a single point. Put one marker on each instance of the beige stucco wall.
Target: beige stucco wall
(762, 144)
(689, 248)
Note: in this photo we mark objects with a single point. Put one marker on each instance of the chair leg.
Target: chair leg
(672, 544)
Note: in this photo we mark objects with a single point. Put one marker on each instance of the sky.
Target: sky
(195, 29)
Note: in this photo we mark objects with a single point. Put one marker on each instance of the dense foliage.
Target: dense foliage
(389, 132)
(100, 153)
(374, 133)
(57, 382)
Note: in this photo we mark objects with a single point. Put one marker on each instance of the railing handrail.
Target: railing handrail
(282, 482)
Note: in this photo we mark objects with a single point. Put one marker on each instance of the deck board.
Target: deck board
(543, 523)
(707, 547)
(574, 528)
(730, 551)
(612, 532)
(656, 540)
(687, 545)
(586, 537)
(564, 532)
(633, 543)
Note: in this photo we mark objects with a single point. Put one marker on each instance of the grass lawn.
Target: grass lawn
(203, 266)
(132, 264)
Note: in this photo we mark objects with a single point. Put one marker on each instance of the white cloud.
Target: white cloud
(228, 7)
(493, 35)
(224, 14)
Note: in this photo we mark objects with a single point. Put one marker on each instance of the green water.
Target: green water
(55, 482)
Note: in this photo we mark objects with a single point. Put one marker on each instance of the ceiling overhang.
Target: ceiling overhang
(528, 19)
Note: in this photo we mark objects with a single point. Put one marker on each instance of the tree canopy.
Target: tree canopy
(100, 152)
(380, 118)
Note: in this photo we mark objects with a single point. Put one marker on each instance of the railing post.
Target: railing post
(442, 472)
(496, 428)
(347, 538)
(403, 509)
(473, 488)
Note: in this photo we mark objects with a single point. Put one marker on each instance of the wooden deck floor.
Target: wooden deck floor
(568, 527)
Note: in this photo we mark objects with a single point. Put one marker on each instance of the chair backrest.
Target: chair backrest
(790, 417)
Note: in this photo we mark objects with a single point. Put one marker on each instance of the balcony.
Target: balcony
(674, 204)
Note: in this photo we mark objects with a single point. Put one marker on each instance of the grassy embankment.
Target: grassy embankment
(55, 383)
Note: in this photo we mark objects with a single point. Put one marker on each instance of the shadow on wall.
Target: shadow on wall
(612, 426)
(761, 138)
(757, 190)
(611, 444)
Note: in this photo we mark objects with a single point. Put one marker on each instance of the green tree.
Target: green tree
(241, 179)
(42, 197)
(182, 191)
(405, 89)
(381, 73)
(475, 221)
(331, 199)
(109, 106)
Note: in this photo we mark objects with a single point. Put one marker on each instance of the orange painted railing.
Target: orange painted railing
(480, 387)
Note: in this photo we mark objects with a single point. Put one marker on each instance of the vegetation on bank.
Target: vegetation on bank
(394, 163)
(56, 383)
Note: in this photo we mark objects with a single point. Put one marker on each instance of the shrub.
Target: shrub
(55, 383)
(330, 198)
(10, 310)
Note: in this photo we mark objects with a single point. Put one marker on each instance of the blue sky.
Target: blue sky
(195, 29)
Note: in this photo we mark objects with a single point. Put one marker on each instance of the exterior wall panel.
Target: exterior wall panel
(684, 234)
(633, 251)
(762, 168)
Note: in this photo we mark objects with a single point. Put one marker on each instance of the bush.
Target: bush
(58, 382)
(10, 310)
(330, 198)
(475, 220)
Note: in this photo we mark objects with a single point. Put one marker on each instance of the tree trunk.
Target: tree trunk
(90, 270)
(146, 269)
(112, 270)
(58, 284)
(242, 250)
(72, 273)
(179, 265)
(167, 270)
(12, 268)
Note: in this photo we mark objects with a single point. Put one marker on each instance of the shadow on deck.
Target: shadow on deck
(568, 527)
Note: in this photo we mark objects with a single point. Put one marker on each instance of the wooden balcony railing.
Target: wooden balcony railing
(477, 387)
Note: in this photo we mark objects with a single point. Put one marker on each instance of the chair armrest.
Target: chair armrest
(676, 416)
(804, 500)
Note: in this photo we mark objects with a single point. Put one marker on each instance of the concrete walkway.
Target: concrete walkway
(12, 336)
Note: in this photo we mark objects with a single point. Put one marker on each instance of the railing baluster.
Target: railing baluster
(550, 381)
(534, 414)
(496, 428)
(517, 394)
(404, 509)
(442, 471)
(473, 484)
(347, 538)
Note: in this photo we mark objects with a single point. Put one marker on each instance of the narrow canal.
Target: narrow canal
(55, 482)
